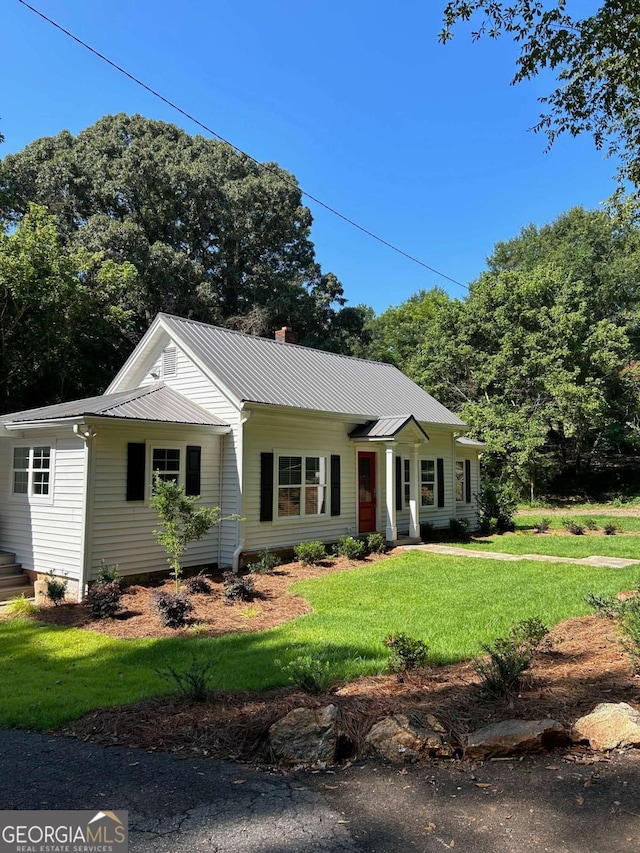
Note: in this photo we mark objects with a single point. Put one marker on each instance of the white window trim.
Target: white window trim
(43, 500)
(434, 505)
(406, 481)
(304, 454)
(463, 480)
(159, 444)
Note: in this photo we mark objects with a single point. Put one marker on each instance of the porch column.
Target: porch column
(392, 528)
(414, 494)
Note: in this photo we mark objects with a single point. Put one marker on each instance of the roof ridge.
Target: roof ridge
(273, 340)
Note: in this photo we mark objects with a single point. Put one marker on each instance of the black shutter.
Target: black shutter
(398, 482)
(136, 453)
(335, 485)
(440, 467)
(192, 474)
(266, 487)
(467, 480)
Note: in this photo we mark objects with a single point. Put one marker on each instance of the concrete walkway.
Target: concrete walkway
(452, 551)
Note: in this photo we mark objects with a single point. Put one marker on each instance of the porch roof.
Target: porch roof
(386, 428)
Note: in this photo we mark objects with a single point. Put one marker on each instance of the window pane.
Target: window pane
(288, 501)
(20, 482)
(41, 483)
(459, 481)
(41, 457)
(428, 481)
(314, 500)
(290, 471)
(315, 470)
(21, 458)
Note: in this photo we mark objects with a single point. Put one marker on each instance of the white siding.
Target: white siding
(192, 383)
(300, 434)
(470, 510)
(45, 536)
(122, 531)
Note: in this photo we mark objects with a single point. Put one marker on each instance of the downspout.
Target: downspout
(454, 482)
(86, 434)
(235, 565)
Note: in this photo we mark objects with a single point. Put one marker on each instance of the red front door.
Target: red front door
(366, 492)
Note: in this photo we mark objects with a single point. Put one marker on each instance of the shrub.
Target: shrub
(542, 526)
(509, 657)
(405, 653)
(108, 573)
(266, 563)
(310, 553)
(604, 605)
(573, 527)
(426, 531)
(376, 543)
(352, 549)
(309, 673)
(459, 528)
(609, 530)
(194, 683)
(103, 599)
(56, 588)
(174, 608)
(198, 584)
(497, 503)
(590, 523)
(238, 587)
(20, 607)
(630, 627)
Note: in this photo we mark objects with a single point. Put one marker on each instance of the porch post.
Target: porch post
(414, 492)
(392, 529)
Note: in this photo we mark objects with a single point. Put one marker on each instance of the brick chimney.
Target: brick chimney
(286, 335)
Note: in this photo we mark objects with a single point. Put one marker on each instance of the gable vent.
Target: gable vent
(169, 362)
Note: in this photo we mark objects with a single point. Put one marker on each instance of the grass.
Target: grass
(54, 675)
(561, 546)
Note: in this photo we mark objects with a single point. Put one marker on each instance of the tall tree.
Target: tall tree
(595, 57)
(213, 235)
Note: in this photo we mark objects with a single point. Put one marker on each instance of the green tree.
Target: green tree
(595, 60)
(60, 318)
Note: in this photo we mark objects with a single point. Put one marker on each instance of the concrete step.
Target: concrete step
(7, 593)
(10, 569)
(16, 579)
(6, 557)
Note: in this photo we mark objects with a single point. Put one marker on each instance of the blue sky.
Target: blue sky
(424, 144)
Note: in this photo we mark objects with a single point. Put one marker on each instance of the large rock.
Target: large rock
(608, 726)
(514, 737)
(400, 739)
(306, 736)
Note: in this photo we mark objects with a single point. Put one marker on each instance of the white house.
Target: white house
(301, 444)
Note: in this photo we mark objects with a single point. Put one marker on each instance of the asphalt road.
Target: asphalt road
(545, 804)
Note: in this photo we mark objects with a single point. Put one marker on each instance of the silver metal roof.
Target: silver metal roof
(155, 402)
(261, 370)
(470, 442)
(385, 427)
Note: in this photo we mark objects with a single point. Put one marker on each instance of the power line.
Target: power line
(263, 166)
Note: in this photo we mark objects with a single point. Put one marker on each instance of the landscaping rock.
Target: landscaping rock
(399, 739)
(514, 737)
(608, 726)
(306, 736)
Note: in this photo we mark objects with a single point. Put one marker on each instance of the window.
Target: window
(32, 471)
(302, 486)
(407, 482)
(165, 461)
(427, 482)
(460, 480)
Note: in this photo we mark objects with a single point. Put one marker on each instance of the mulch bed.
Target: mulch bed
(586, 666)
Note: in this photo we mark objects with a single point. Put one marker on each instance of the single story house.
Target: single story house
(301, 444)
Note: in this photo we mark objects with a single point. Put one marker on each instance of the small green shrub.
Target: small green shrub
(609, 530)
(56, 589)
(572, 526)
(104, 599)
(20, 607)
(352, 549)
(590, 523)
(604, 605)
(405, 653)
(459, 528)
(509, 657)
(310, 553)
(194, 683)
(309, 673)
(265, 564)
(174, 608)
(238, 587)
(376, 543)
(542, 526)
(426, 531)
(198, 584)
(630, 627)
(108, 573)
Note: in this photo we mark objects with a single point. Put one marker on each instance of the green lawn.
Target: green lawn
(624, 523)
(52, 675)
(561, 546)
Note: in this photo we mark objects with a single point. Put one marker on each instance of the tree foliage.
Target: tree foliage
(595, 57)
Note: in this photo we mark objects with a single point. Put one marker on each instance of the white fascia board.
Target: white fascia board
(136, 356)
(15, 426)
(216, 429)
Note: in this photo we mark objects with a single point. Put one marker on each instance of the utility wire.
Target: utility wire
(263, 166)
